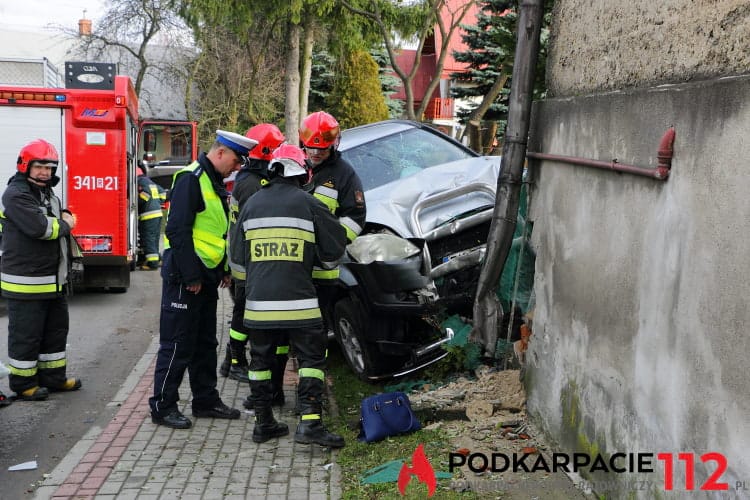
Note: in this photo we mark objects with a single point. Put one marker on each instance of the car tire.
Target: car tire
(349, 321)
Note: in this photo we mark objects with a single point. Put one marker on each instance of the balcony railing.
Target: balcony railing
(439, 109)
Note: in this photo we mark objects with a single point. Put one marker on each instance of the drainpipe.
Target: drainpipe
(661, 172)
(487, 308)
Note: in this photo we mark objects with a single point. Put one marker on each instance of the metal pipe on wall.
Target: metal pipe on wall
(661, 172)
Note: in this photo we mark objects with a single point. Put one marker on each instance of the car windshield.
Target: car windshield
(400, 155)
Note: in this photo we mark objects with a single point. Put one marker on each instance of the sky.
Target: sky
(31, 14)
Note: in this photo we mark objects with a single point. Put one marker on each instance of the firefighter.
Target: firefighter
(194, 267)
(250, 179)
(35, 269)
(284, 229)
(151, 196)
(338, 186)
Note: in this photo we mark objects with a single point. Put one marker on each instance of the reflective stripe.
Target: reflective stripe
(259, 376)
(21, 364)
(234, 334)
(144, 196)
(151, 214)
(48, 365)
(29, 284)
(28, 280)
(152, 257)
(282, 315)
(282, 349)
(238, 271)
(325, 274)
(328, 192)
(280, 232)
(312, 373)
(53, 229)
(331, 203)
(22, 372)
(310, 416)
(352, 228)
(52, 356)
(278, 222)
(281, 305)
(349, 223)
(155, 191)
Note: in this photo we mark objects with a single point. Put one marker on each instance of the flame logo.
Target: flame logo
(421, 468)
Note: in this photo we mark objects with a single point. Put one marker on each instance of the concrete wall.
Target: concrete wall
(640, 336)
(613, 44)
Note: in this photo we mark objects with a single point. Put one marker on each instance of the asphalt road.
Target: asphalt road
(109, 333)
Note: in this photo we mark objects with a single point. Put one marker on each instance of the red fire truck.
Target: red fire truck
(93, 122)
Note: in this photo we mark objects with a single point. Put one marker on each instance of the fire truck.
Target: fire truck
(93, 122)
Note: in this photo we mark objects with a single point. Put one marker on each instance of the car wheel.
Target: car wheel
(349, 320)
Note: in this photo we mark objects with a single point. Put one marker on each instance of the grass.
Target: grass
(357, 457)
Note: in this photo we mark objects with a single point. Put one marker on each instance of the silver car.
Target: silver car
(429, 204)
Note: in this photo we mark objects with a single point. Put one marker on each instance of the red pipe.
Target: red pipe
(661, 172)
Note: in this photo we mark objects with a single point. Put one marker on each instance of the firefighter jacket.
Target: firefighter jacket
(150, 198)
(285, 229)
(338, 186)
(249, 180)
(196, 229)
(36, 245)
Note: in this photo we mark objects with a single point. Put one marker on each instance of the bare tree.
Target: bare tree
(130, 31)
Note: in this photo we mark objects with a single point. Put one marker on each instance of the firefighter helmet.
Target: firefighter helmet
(320, 130)
(289, 161)
(269, 138)
(37, 150)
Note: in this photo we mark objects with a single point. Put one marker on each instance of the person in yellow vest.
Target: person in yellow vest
(193, 269)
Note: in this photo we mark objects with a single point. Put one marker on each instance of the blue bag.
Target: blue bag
(385, 415)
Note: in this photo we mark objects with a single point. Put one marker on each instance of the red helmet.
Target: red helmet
(269, 138)
(37, 150)
(320, 130)
(292, 161)
(139, 171)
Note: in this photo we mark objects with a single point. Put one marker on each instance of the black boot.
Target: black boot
(238, 361)
(313, 431)
(227, 363)
(266, 426)
(277, 379)
(277, 400)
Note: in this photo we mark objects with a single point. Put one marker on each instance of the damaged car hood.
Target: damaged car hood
(415, 205)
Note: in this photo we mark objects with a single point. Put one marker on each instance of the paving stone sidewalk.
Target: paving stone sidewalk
(216, 459)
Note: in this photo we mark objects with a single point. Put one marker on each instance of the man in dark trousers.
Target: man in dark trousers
(194, 267)
(35, 270)
(338, 186)
(251, 177)
(150, 199)
(285, 229)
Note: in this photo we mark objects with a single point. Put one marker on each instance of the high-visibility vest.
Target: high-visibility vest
(210, 226)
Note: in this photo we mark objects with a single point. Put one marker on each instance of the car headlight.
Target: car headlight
(381, 247)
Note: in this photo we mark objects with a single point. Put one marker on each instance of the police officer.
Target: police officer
(150, 199)
(194, 266)
(338, 186)
(249, 180)
(285, 228)
(35, 268)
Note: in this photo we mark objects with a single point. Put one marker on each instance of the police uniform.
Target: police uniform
(195, 252)
(150, 198)
(284, 229)
(35, 267)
